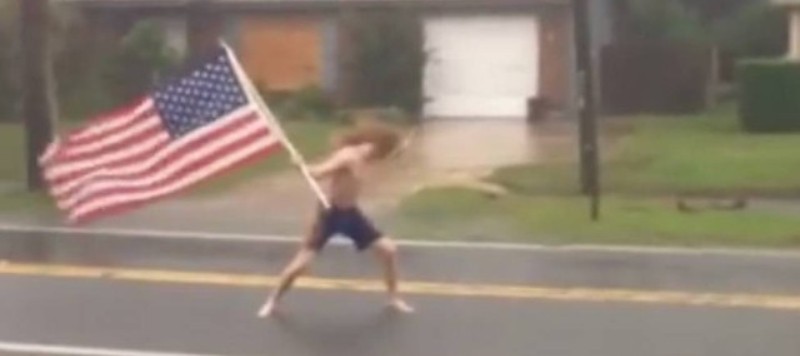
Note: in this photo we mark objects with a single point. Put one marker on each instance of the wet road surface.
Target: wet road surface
(198, 297)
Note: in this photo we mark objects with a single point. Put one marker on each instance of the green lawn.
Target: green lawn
(13, 172)
(660, 158)
(12, 148)
(702, 154)
(12, 145)
(454, 213)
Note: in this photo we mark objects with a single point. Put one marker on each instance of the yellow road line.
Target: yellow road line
(776, 302)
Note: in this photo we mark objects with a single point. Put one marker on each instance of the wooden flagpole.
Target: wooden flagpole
(253, 94)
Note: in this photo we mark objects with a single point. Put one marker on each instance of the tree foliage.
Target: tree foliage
(388, 58)
(665, 20)
(139, 62)
(755, 29)
(742, 28)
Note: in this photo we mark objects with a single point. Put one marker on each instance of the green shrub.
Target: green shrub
(659, 20)
(387, 59)
(96, 73)
(757, 29)
(141, 60)
(314, 103)
(310, 103)
(769, 95)
(395, 115)
(80, 62)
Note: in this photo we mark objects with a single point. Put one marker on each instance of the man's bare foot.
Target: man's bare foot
(267, 310)
(400, 306)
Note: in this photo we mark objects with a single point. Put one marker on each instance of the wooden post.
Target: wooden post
(589, 165)
(38, 103)
(714, 77)
(794, 33)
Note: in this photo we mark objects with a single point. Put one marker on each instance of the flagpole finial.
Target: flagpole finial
(222, 42)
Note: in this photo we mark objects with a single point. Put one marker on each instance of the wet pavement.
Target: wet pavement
(218, 321)
(474, 144)
(547, 266)
(211, 313)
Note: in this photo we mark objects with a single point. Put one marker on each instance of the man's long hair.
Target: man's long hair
(384, 138)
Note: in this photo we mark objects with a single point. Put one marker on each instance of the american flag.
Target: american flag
(190, 129)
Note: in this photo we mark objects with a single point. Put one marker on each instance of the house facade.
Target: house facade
(486, 58)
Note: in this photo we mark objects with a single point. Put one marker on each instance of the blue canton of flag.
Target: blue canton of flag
(203, 96)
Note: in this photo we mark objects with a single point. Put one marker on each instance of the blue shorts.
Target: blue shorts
(349, 222)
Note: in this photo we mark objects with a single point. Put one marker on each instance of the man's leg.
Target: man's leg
(311, 244)
(295, 269)
(386, 250)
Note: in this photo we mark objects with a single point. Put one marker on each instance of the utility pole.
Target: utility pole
(38, 103)
(589, 166)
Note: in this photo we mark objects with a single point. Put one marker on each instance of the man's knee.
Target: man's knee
(387, 247)
(301, 262)
(297, 270)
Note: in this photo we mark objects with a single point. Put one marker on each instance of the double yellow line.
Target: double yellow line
(774, 302)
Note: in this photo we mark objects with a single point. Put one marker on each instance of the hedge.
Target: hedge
(770, 95)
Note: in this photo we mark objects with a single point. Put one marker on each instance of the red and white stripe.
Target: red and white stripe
(127, 158)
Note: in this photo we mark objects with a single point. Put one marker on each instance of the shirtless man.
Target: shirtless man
(343, 171)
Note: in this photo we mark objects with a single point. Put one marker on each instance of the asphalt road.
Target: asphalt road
(111, 295)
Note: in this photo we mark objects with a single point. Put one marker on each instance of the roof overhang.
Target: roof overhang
(308, 4)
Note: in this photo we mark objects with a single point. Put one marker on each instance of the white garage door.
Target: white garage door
(481, 66)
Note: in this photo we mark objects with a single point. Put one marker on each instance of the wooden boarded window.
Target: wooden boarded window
(282, 54)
